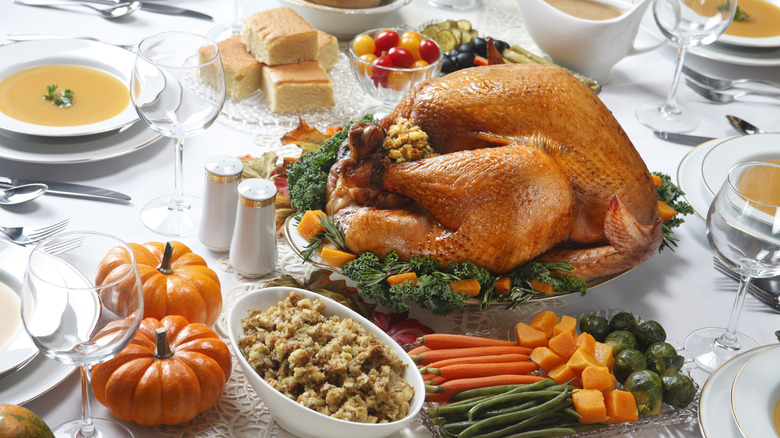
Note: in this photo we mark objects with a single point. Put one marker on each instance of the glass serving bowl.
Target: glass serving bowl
(388, 84)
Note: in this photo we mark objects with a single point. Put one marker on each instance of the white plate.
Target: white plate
(101, 56)
(689, 178)
(716, 419)
(20, 349)
(34, 149)
(720, 159)
(753, 42)
(36, 378)
(755, 392)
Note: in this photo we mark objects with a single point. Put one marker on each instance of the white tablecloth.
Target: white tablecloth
(680, 289)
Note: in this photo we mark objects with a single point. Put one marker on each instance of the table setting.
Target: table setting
(694, 104)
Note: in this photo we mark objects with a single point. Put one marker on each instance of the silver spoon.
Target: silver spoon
(114, 11)
(19, 194)
(743, 126)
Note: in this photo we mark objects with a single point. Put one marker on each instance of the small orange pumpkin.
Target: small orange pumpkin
(175, 280)
(169, 373)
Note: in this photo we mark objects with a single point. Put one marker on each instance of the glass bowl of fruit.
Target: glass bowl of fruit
(387, 63)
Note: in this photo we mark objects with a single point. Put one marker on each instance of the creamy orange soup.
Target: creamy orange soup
(97, 95)
(761, 184)
(763, 20)
(9, 314)
(586, 9)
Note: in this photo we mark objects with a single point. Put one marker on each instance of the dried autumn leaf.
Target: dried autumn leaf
(307, 137)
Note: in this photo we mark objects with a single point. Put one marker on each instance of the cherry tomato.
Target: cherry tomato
(401, 57)
(412, 45)
(363, 44)
(365, 67)
(378, 69)
(386, 39)
(419, 63)
(398, 80)
(429, 51)
(411, 35)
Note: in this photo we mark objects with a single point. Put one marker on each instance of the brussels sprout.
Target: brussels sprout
(648, 333)
(597, 326)
(620, 340)
(679, 390)
(623, 321)
(647, 389)
(662, 358)
(628, 361)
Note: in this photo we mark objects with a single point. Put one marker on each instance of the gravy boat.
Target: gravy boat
(590, 47)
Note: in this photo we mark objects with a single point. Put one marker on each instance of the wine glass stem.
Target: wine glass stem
(729, 339)
(238, 23)
(177, 201)
(87, 426)
(670, 105)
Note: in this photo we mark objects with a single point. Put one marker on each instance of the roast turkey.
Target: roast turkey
(531, 166)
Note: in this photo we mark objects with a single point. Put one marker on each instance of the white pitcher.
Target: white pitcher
(590, 47)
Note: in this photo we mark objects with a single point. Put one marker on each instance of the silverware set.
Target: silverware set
(740, 125)
(766, 290)
(720, 90)
(28, 235)
(111, 10)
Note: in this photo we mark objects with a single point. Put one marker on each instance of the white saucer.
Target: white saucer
(755, 393)
(722, 157)
(716, 419)
(689, 177)
(20, 349)
(100, 56)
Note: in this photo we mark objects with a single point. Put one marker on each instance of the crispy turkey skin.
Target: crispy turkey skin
(532, 165)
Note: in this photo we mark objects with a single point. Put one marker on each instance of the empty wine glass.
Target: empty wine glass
(743, 229)
(81, 311)
(178, 89)
(686, 23)
(224, 31)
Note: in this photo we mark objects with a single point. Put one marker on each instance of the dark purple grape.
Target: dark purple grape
(467, 47)
(501, 45)
(465, 59)
(480, 46)
(448, 64)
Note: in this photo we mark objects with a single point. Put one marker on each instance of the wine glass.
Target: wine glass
(224, 31)
(743, 229)
(78, 315)
(178, 89)
(686, 23)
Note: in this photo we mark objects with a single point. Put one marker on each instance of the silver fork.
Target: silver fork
(724, 84)
(720, 97)
(27, 235)
(61, 246)
(765, 297)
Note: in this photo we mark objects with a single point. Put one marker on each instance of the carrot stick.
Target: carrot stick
(430, 356)
(437, 341)
(400, 278)
(493, 358)
(436, 398)
(462, 371)
(437, 380)
(455, 386)
(418, 349)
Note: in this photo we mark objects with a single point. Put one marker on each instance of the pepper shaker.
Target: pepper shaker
(223, 174)
(253, 247)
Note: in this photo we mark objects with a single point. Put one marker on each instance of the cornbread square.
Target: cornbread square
(328, 53)
(243, 73)
(280, 36)
(296, 87)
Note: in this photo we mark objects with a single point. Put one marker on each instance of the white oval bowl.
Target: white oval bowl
(341, 22)
(294, 417)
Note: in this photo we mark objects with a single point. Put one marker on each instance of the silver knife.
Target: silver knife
(68, 189)
(690, 140)
(174, 10)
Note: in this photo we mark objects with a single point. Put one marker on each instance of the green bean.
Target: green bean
(507, 409)
(551, 432)
(456, 428)
(461, 406)
(509, 398)
(515, 416)
(499, 389)
(520, 426)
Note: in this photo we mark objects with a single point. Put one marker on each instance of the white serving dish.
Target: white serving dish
(755, 393)
(341, 22)
(294, 417)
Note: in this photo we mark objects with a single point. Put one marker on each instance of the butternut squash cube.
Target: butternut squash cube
(604, 355)
(530, 337)
(598, 378)
(581, 360)
(589, 403)
(544, 321)
(561, 374)
(587, 342)
(567, 324)
(546, 358)
(309, 225)
(621, 407)
(564, 344)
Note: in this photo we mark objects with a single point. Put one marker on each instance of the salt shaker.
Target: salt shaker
(253, 247)
(223, 174)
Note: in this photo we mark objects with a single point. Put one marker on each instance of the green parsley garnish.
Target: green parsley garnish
(738, 15)
(64, 100)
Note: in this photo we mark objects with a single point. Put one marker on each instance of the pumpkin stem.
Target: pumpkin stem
(165, 263)
(163, 350)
